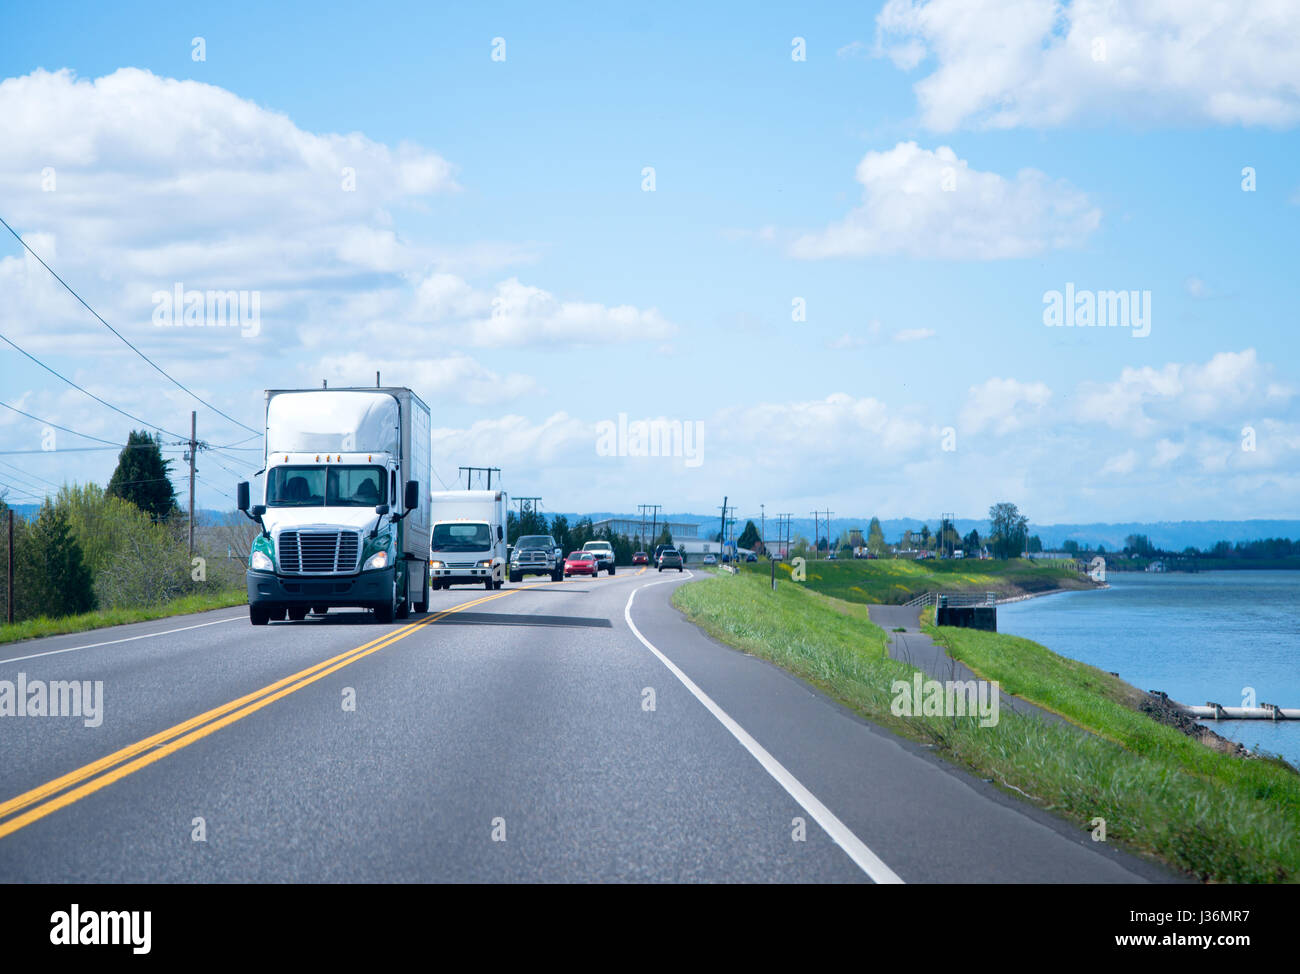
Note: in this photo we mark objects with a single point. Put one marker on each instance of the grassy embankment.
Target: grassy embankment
(43, 626)
(893, 581)
(1212, 815)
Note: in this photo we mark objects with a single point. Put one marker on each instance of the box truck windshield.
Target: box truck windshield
(461, 537)
(334, 486)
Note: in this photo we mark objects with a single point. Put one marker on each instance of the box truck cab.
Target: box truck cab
(469, 538)
(342, 512)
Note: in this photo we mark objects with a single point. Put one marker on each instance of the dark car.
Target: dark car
(659, 550)
(670, 558)
(640, 558)
(751, 557)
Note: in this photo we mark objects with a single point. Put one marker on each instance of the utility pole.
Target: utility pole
(722, 534)
(194, 447)
(654, 523)
(830, 543)
(470, 471)
(762, 531)
(641, 537)
(529, 501)
(9, 604)
(816, 538)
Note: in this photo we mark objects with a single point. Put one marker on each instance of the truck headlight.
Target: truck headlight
(485, 564)
(260, 562)
(378, 560)
(436, 564)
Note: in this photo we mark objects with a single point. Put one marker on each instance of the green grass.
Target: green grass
(1211, 815)
(44, 626)
(890, 581)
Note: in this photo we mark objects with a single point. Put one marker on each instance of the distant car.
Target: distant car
(670, 558)
(581, 563)
(710, 560)
(751, 557)
(659, 550)
(640, 558)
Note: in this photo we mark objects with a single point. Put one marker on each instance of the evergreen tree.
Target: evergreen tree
(51, 577)
(876, 537)
(749, 537)
(143, 477)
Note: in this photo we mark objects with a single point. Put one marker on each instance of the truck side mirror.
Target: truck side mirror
(500, 533)
(411, 499)
(259, 510)
(381, 509)
(241, 495)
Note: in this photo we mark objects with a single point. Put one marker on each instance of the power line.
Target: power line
(104, 402)
(137, 351)
(97, 439)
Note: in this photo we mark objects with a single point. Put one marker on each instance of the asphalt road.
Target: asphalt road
(530, 734)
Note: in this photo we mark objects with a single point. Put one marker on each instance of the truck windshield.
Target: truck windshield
(461, 536)
(331, 486)
(535, 541)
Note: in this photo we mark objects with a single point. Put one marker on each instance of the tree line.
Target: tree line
(123, 546)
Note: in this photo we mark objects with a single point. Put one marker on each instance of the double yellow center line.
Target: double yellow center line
(76, 785)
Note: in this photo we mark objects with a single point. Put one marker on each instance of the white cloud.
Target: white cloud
(1197, 288)
(907, 210)
(454, 376)
(1007, 63)
(1148, 400)
(913, 334)
(1003, 405)
(1121, 464)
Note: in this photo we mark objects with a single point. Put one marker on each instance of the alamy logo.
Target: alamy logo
(955, 698)
(130, 927)
(1098, 309)
(651, 438)
(58, 698)
(209, 309)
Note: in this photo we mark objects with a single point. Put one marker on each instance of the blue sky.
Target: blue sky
(521, 181)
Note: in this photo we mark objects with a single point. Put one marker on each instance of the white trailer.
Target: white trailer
(343, 509)
(469, 538)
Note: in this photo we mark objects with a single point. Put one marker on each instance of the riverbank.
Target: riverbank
(1161, 794)
(1229, 637)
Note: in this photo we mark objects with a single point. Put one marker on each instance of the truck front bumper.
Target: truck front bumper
(459, 576)
(365, 590)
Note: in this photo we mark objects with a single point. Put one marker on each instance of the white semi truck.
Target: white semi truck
(344, 510)
(469, 538)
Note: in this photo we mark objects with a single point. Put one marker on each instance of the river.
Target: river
(1198, 637)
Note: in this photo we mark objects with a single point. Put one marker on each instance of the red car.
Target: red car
(640, 558)
(581, 563)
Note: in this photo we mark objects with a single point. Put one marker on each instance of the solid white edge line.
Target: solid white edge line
(113, 642)
(840, 834)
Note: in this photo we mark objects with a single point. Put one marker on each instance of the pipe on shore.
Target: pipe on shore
(1214, 711)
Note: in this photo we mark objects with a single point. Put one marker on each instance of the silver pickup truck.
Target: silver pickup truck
(536, 554)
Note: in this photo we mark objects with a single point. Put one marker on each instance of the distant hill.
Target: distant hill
(1170, 535)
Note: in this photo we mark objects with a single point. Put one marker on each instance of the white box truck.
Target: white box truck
(344, 510)
(469, 538)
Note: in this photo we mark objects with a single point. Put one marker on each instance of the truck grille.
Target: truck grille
(319, 552)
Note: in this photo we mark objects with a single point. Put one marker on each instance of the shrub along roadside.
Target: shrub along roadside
(1157, 797)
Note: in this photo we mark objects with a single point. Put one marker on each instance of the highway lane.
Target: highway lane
(519, 712)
